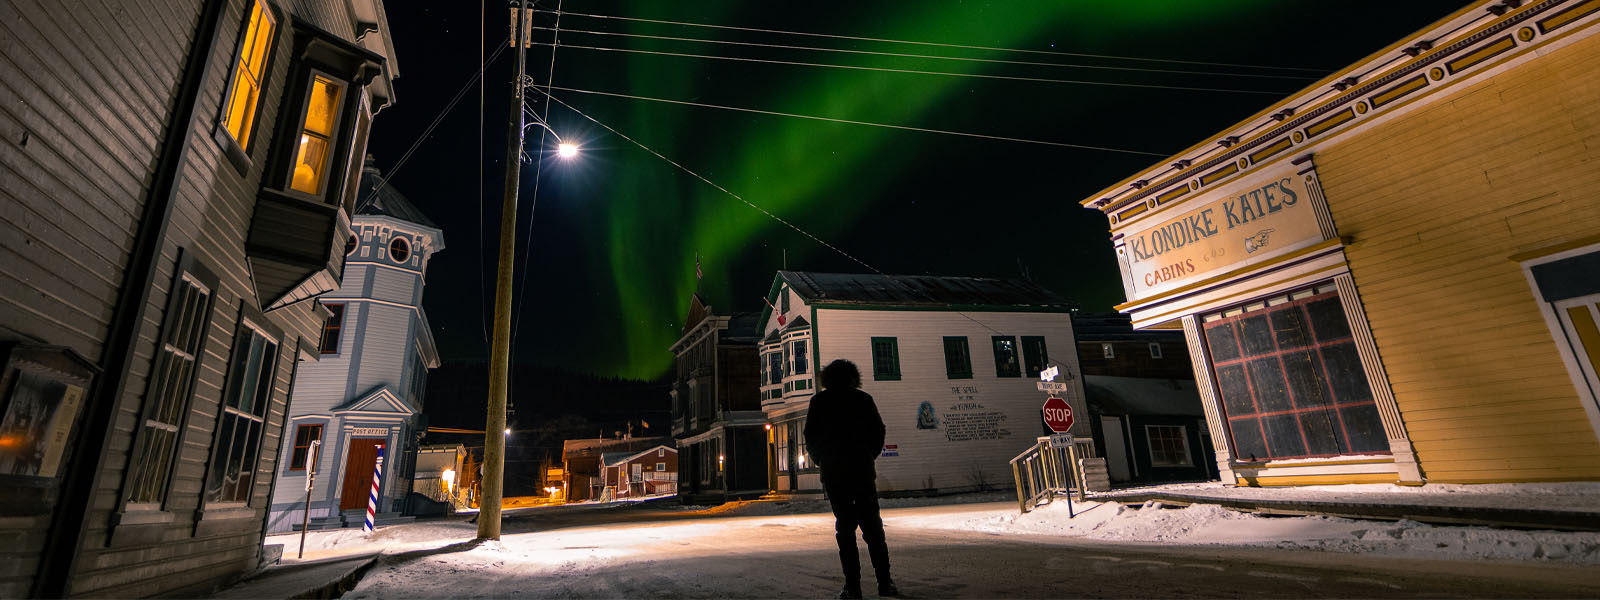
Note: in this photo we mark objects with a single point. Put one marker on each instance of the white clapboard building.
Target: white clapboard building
(951, 362)
(363, 397)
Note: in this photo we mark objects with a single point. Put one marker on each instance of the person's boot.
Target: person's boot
(886, 588)
(851, 591)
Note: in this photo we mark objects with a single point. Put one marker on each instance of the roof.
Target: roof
(1142, 396)
(1099, 327)
(743, 327)
(387, 202)
(917, 290)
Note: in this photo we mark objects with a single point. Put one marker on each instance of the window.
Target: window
(1291, 381)
(1155, 350)
(885, 359)
(1169, 445)
(303, 436)
(798, 351)
(231, 476)
(798, 435)
(661, 466)
(783, 299)
(1034, 354)
(781, 442)
(400, 249)
(1106, 352)
(183, 336)
(350, 245)
(331, 329)
(243, 101)
(775, 368)
(310, 173)
(957, 358)
(1005, 357)
(660, 453)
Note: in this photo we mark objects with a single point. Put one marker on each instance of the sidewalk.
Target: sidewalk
(1558, 506)
(327, 578)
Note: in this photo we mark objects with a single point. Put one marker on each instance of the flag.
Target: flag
(697, 273)
(781, 318)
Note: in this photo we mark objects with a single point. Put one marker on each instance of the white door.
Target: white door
(1116, 448)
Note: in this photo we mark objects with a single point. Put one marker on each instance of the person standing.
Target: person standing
(844, 436)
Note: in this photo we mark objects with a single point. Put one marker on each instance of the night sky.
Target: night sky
(610, 268)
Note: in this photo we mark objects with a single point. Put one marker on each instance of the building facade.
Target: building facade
(1389, 276)
(651, 472)
(716, 416)
(1144, 408)
(583, 463)
(363, 397)
(951, 362)
(178, 181)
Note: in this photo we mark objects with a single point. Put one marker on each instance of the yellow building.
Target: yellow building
(1393, 275)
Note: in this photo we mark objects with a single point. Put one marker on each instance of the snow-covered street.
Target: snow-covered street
(768, 549)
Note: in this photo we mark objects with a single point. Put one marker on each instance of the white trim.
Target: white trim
(1554, 324)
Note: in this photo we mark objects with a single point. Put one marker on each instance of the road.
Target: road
(641, 552)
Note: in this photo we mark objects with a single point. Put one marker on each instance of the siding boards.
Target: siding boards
(1436, 201)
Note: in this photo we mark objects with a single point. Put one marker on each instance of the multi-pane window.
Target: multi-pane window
(311, 156)
(303, 436)
(780, 440)
(1169, 445)
(1005, 357)
(1291, 381)
(1034, 354)
(1155, 350)
(801, 459)
(798, 351)
(332, 328)
(661, 466)
(957, 358)
(244, 93)
(183, 335)
(400, 249)
(885, 359)
(231, 476)
(775, 368)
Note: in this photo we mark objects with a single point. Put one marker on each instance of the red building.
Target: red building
(647, 473)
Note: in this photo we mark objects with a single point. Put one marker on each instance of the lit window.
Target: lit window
(1005, 357)
(1105, 351)
(316, 136)
(244, 95)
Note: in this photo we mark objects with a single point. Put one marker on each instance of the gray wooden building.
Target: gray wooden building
(365, 393)
(716, 416)
(176, 184)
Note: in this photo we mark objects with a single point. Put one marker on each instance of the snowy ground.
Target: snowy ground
(1578, 496)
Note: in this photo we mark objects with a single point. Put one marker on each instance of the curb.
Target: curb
(329, 578)
(1520, 518)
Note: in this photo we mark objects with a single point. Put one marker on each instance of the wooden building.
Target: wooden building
(650, 472)
(583, 463)
(951, 362)
(1391, 275)
(716, 416)
(178, 178)
(364, 395)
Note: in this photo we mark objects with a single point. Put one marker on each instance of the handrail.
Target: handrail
(1043, 471)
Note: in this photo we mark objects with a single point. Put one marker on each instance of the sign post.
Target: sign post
(311, 477)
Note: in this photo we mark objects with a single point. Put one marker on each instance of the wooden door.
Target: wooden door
(359, 461)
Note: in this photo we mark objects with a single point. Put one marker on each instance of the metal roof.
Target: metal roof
(388, 202)
(1142, 396)
(918, 290)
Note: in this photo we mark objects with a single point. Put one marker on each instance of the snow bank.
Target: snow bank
(1209, 524)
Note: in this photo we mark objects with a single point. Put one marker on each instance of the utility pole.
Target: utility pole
(494, 439)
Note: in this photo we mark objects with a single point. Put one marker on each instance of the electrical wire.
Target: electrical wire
(928, 56)
(917, 71)
(867, 123)
(938, 44)
(538, 174)
(764, 211)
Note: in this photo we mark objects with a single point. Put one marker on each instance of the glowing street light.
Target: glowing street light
(508, 431)
(566, 150)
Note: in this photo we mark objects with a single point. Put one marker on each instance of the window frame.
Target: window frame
(1028, 363)
(309, 78)
(406, 242)
(295, 449)
(1155, 351)
(1016, 358)
(337, 329)
(1183, 439)
(188, 269)
(251, 324)
(1107, 350)
(878, 372)
(964, 357)
(239, 155)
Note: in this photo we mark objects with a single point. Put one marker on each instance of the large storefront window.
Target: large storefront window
(1290, 379)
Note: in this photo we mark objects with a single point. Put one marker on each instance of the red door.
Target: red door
(358, 464)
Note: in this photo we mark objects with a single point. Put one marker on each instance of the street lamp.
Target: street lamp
(566, 150)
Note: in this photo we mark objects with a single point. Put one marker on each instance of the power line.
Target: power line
(764, 211)
(918, 71)
(927, 56)
(939, 44)
(854, 122)
(707, 181)
(538, 175)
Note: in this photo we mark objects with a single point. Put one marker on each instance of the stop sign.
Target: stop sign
(1057, 414)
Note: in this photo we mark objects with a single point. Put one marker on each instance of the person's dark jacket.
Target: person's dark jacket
(844, 432)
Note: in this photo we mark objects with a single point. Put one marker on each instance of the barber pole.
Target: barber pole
(372, 498)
